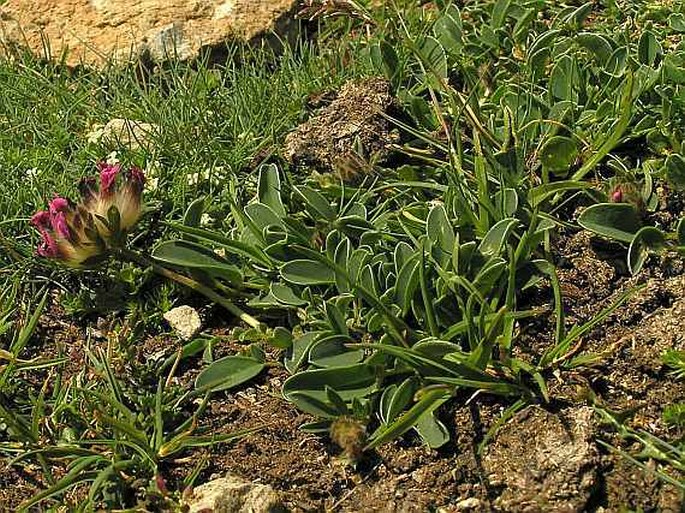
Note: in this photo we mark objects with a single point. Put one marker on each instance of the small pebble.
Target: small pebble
(184, 320)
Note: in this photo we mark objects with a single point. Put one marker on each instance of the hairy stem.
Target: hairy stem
(144, 261)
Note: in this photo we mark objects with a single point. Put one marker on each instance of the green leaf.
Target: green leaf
(331, 352)
(497, 236)
(336, 318)
(281, 338)
(432, 431)
(269, 188)
(233, 246)
(433, 57)
(314, 405)
(564, 78)
(617, 62)
(675, 171)
(300, 351)
(440, 232)
(677, 21)
(540, 193)
(315, 203)
(648, 48)
(680, 232)
(184, 441)
(228, 372)
(349, 382)
(597, 44)
(188, 255)
(262, 216)
(489, 274)
(285, 295)
(193, 213)
(407, 283)
(646, 239)
(448, 30)
(307, 272)
(558, 154)
(618, 221)
(341, 257)
(396, 398)
(578, 16)
(499, 13)
(617, 130)
(507, 201)
(81, 471)
(430, 400)
(384, 58)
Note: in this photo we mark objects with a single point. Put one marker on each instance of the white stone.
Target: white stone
(232, 494)
(184, 320)
(101, 32)
(128, 133)
(470, 504)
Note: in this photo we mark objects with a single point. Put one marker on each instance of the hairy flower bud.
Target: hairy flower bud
(78, 234)
(120, 190)
(62, 229)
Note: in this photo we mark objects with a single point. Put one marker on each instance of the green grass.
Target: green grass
(214, 118)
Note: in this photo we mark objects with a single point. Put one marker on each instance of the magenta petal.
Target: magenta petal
(48, 247)
(60, 226)
(108, 175)
(136, 175)
(58, 205)
(41, 220)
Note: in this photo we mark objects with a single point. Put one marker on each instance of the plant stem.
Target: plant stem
(144, 261)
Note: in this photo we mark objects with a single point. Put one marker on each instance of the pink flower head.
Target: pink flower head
(108, 176)
(88, 188)
(48, 246)
(41, 220)
(136, 177)
(60, 226)
(64, 235)
(58, 205)
(617, 195)
(77, 234)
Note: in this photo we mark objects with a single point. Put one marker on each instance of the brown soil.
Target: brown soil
(349, 134)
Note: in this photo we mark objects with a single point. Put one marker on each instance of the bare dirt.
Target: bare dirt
(349, 133)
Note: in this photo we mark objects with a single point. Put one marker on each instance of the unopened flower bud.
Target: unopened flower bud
(350, 435)
(77, 234)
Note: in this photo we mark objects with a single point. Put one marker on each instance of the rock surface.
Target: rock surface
(544, 461)
(184, 320)
(96, 32)
(354, 122)
(231, 494)
(123, 132)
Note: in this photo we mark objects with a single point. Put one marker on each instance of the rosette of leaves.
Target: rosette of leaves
(389, 303)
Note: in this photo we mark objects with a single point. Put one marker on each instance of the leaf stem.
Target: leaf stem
(145, 261)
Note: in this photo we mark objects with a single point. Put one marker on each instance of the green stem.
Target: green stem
(144, 261)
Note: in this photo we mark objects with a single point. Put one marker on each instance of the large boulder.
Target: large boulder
(96, 32)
